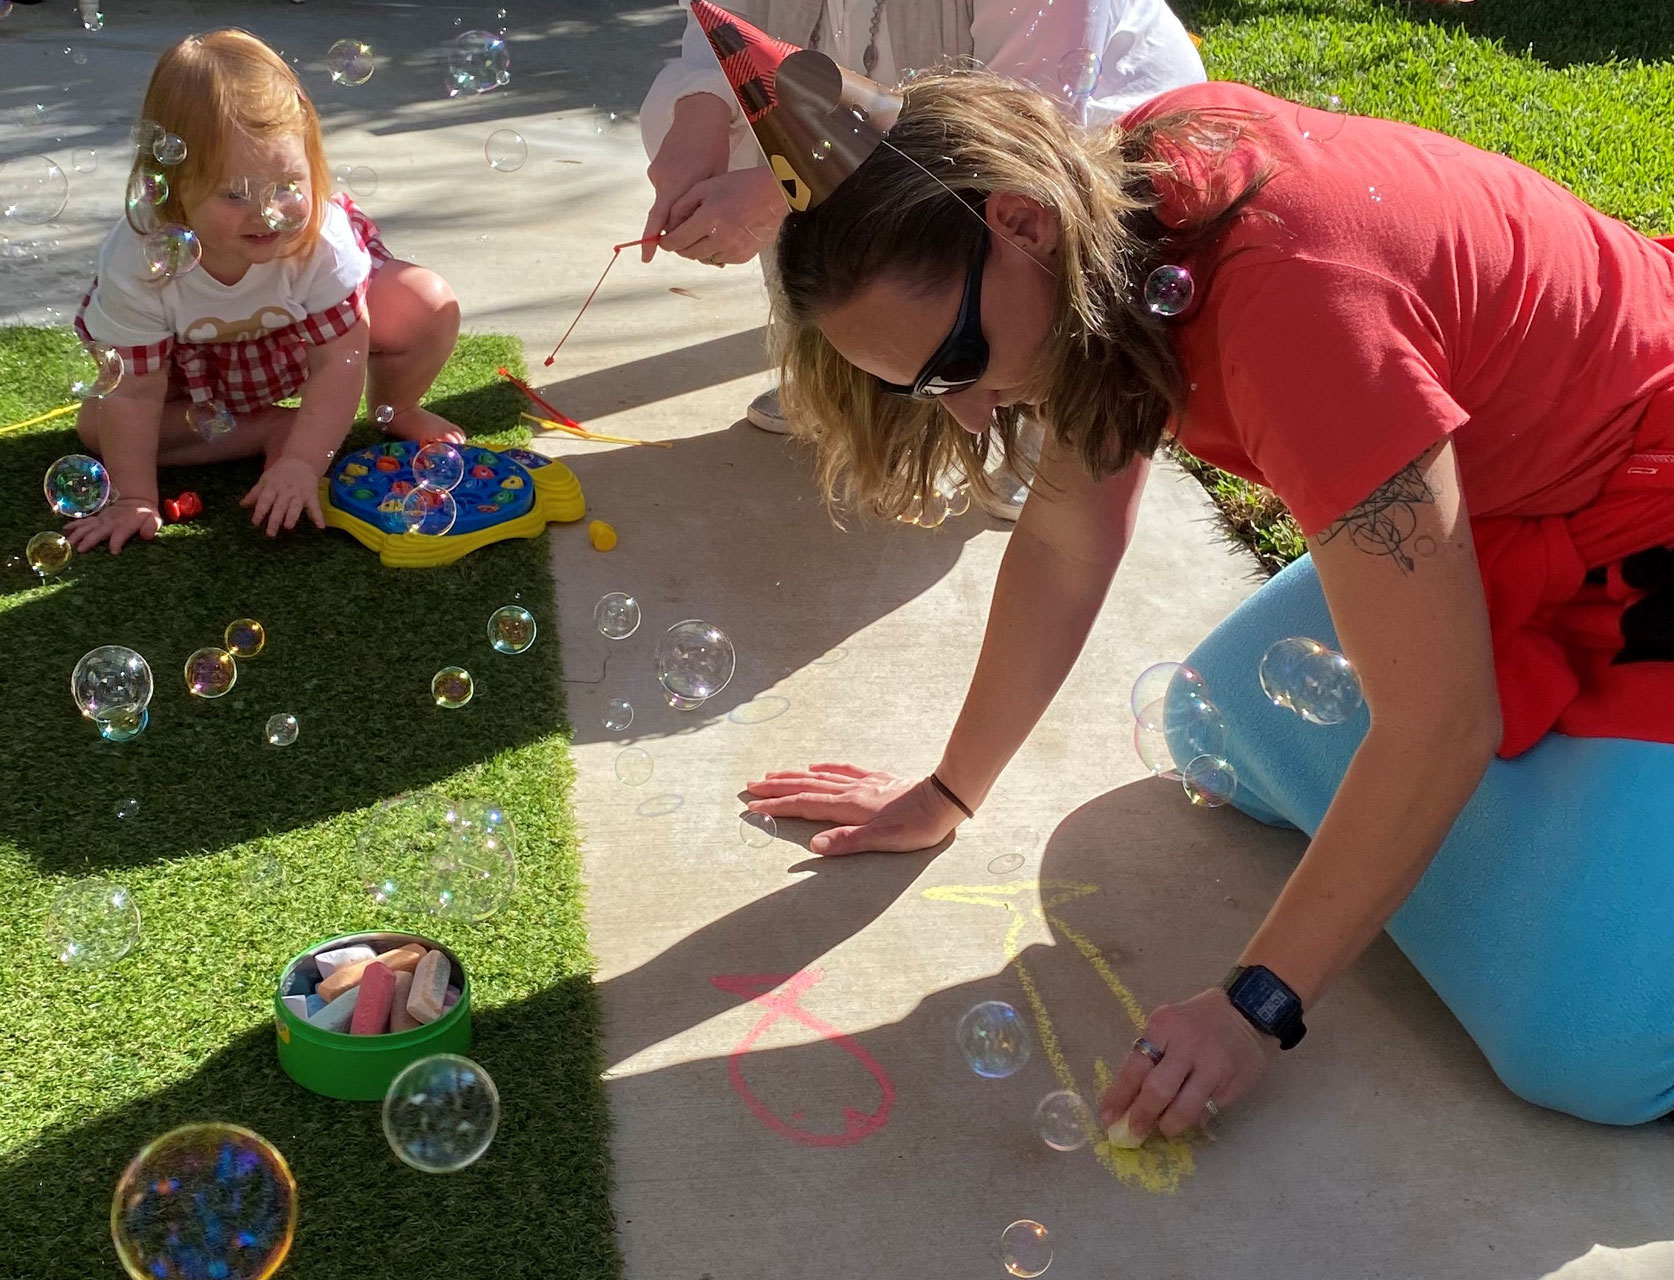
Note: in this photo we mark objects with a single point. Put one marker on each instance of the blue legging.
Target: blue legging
(1546, 921)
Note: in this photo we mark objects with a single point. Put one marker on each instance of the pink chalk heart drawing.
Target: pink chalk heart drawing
(780, 995)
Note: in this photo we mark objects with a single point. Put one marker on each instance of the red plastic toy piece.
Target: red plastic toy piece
(184, 507)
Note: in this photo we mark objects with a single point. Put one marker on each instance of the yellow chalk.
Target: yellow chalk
(601, 535)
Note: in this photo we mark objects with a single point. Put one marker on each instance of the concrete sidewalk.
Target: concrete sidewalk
(788, 1097)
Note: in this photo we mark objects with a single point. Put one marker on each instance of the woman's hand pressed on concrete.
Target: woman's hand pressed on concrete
(874, 811)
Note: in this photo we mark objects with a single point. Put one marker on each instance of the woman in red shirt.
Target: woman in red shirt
(1456, 374)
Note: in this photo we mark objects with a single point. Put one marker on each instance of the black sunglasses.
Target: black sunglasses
(963, 356)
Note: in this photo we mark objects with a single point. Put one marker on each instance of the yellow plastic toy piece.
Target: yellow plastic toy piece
(601, 535)
(557, 498)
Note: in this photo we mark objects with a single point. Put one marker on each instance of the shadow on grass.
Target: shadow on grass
(518, 1212)
(351, 650)
(1559, 33)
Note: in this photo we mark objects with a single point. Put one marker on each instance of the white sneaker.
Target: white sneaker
(764, 412)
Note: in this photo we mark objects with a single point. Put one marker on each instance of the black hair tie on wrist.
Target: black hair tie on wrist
(952, 799)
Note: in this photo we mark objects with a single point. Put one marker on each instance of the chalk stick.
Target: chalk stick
(337, 1015)
(402, 958)
(451, 999)
(399, 1018)
(377, 989)
(298, 1005)
(315, 1004)
(331, 961)
(1122, 1136)
(430, 987)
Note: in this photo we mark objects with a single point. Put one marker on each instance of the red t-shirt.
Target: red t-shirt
(1414, 287)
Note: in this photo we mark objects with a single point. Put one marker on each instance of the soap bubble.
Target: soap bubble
(209, 419)
(1024, 1249)
(95, 370)
(244, 637)
(994, 1039)
(282, 729)
(144, 134)
(1209, 781)
(171, 250)
(384, 414)
(477, 62)
(1168, 291)
(77, 486)
(349, 62)
(124, 724)
(286, 207)
(759, 710)
(618, 715)
(428, 511)
(363, 181)
(1150, 743)
(480, 874)
(439, 465)
(92, 22)
(169, 148)
(506, 150)
(1153, 686)
(1063, 1121)
(634, 766)
(92, 924)
(109, 679)
(452, 687)
(5, 8)
(403, 848)
(1317, 683)
(148, 191)
(48, 553)
(126, 809)
(1005, 864)
(84, 160)
(210, 672)
(695, 661)
(511, 629)
(440, 1114)
(204, 1202)
(1321, 119)
(616, 616)
(1078, 73)
(33, 190)
(758, 830)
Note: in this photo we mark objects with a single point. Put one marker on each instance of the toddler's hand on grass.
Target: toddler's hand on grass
(123, 519)
(287, 488)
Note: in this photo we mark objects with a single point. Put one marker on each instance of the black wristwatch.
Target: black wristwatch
(1271, 1007)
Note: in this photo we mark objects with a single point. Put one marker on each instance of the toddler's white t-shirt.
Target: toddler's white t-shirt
(127, 309)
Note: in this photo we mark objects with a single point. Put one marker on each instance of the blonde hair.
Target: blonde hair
(205, 88)
(1110, 378)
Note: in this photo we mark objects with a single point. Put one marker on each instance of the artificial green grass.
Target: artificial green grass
(1581, 91)
(94, 1064)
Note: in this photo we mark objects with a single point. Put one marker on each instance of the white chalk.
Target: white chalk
(331, 961)
(336, 1015)
(297, 1005)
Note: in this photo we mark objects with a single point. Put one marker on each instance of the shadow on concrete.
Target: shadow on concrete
(894, 1176)
(655, 378)
(727, 526)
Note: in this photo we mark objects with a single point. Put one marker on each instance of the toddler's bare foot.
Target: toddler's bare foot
(420, 424)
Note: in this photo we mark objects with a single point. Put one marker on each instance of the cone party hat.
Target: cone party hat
(816, 121)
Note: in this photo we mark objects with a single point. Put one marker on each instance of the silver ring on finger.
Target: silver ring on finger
(1148, 1049)
(1210, 1109)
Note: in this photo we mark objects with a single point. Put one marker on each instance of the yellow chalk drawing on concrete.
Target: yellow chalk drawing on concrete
(1162, 1162)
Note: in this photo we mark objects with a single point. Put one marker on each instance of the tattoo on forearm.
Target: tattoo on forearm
(1385, 524)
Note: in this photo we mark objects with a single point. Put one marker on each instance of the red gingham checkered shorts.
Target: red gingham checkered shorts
(246, 376)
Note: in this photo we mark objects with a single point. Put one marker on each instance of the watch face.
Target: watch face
(1272, 1006)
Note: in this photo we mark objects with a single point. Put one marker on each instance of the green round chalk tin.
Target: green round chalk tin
(361, 1068)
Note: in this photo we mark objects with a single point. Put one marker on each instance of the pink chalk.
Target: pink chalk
(399, 1018)
(430, 987)
(377, 992)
